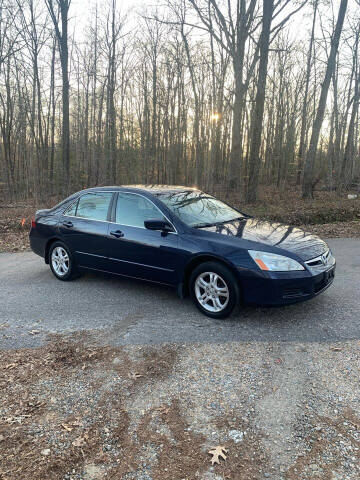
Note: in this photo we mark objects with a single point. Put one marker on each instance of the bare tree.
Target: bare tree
(349, 147)
(258, 113)
(308, 181)
(211, 93)
(61, 8)
(306, 93)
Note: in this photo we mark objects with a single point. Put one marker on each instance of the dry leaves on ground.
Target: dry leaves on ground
(217, 453)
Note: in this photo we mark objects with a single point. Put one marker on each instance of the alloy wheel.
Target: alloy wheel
(60, 261)
(211, 291)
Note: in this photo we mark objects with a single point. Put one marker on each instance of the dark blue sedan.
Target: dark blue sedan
(185, 238)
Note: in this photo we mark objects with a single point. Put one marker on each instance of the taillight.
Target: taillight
(33, 224)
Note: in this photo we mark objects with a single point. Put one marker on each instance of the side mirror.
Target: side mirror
(162, 225)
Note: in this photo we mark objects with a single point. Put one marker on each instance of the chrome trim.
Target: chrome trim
(141, 264)
(133, 226)
(85, 218)
(91, 254)
(324, 260)
(89, 219)
(162, 213)
(127, 276)
(126, 261)
(124, 224)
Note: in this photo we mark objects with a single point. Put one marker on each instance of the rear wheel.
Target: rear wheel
(214, 289)
(61, 262)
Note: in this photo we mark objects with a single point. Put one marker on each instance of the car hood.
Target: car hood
(292, 239)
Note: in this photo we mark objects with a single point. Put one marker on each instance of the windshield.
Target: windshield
(198, 209)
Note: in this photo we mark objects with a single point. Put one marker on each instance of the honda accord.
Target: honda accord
(185, 238)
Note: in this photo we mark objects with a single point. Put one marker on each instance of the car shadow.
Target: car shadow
(160, 316)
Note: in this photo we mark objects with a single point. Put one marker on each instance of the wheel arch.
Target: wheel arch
(48, 246)
(198, 260)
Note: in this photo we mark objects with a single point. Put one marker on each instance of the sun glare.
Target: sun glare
(215, 117)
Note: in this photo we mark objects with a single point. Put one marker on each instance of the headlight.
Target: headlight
(274, 262)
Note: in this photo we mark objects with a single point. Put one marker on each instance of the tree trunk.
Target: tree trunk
(308, 180)
(258, 113)
(304, 108)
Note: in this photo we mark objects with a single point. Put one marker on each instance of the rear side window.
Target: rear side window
(93, 206)
(133, 210)
(71, 210)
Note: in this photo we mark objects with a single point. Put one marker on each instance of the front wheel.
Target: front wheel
(214, 289)
(61, 262)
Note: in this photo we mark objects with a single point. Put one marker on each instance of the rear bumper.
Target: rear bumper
(37, 243)
(285, 288)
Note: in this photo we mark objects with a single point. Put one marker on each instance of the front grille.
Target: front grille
(320, 261)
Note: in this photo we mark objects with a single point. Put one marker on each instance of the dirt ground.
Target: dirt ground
(75, 410)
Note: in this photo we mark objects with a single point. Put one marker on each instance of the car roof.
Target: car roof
(154, 189)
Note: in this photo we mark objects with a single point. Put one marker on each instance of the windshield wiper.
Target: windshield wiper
(204, 225)
(214, 224)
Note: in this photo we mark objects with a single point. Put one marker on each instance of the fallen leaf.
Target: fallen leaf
(164, 410)
(79, 442)
(216, 453)
(66, 427)
(9, 366)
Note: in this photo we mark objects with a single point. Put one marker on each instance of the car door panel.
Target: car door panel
(86, 237)
(86, 240)
(143, 253)
(136, 251)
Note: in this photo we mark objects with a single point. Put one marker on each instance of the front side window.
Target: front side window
(133, 210)
(94, 206)
(198, 209)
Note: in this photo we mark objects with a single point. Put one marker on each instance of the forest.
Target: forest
(226, 95)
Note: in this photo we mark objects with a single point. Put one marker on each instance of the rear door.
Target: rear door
(136, 251)
(84, 228)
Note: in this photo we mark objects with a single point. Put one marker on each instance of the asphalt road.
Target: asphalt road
(34, 304)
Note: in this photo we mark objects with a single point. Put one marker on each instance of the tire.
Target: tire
(64, 268)
(218, 288)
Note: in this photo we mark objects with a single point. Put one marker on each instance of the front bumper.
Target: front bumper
(285, 288)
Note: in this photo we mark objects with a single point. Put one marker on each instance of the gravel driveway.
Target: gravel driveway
(121, 311)
(125, 381)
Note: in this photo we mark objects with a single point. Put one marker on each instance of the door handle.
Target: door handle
(68, 224)
(117, 233)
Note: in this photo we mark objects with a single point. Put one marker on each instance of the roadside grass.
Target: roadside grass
(327, 215)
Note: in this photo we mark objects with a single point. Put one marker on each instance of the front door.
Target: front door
(136, 251)
(84, 229)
